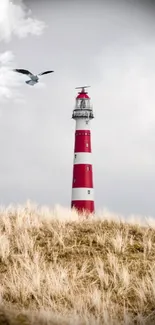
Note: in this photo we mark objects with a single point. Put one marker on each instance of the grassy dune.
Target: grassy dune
(60, 268)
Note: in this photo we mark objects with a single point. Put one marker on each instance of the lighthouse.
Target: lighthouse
(82, 181)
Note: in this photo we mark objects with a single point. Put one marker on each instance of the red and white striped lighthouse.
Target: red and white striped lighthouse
(82, 183)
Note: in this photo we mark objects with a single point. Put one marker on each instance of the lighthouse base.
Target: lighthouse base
(83, 206)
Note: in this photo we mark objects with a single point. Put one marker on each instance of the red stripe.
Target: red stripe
(88, 206)
(82, 141)
(82, 176)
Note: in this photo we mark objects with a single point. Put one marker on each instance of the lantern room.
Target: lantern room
(82, 100)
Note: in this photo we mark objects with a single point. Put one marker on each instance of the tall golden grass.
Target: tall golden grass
(57, 267)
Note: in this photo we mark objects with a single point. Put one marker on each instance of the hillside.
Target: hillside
(57, 268)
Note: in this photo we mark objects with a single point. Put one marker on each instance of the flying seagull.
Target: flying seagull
(33, 78)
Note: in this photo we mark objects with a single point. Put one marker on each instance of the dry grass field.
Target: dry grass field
(60, 268)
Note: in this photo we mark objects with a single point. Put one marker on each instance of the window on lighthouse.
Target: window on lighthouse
(82, 104)
(88, 191)
(87, 145)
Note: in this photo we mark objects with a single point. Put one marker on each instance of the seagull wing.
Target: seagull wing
(28, 73)
(45, 72)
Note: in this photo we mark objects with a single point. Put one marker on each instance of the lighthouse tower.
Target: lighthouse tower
(82, 183)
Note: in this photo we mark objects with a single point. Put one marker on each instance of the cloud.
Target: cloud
(15, 20)
(6, 57)
(9, 82)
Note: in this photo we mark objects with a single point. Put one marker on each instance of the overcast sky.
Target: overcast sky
(109, 45)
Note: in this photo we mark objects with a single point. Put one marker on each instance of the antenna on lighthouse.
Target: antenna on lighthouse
(82, 88)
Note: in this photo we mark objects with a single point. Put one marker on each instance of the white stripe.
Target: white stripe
(83, 158)
(82, 125)
(82, 194)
